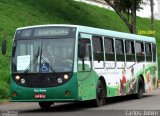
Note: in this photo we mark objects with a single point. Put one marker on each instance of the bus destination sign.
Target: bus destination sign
(51, 32)
(40, 32)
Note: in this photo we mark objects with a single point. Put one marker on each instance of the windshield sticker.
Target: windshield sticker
(23, 62)
(44, 67)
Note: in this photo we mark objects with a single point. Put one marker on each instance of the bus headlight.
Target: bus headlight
(17, 77)
(66, 77)
(23, 81)
(59, 80)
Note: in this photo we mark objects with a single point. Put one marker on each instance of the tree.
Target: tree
(123, 7)
(152, 14)
(133, 14)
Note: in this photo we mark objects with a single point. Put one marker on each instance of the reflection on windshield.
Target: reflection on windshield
(43, 55)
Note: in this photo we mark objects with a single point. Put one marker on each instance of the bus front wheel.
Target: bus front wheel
(45, 105)
(100, 94)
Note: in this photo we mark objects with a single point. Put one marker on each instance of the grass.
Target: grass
(20, 13)
(4, 101)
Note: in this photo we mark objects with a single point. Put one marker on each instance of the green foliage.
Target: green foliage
(125, 5)
(4, 90)
(19, 13)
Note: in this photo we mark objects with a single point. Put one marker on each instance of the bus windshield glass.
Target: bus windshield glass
(43, 55)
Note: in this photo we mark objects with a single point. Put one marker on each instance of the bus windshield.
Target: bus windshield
(43, 55)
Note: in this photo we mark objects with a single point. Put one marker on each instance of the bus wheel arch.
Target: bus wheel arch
(143, 82)
(100, 92)
(104, 83)
(140, 87)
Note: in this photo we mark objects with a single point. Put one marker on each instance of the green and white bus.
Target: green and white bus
(61, 63)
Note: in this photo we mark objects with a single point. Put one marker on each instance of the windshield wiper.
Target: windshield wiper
(33, 61)
(39, 53)
(41, 58)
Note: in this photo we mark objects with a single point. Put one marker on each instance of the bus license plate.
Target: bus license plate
(40, 96)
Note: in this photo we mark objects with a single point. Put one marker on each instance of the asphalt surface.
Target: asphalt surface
(117, 106)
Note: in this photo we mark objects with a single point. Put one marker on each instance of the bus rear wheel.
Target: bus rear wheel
(45, 105)
(100, 94)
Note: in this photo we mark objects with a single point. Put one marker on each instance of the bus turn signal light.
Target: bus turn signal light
(67, 93)
(15, 94)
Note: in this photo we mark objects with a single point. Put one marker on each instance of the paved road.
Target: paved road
(118, 106)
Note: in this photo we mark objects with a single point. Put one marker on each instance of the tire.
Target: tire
(100, 94)
(139, 95)
(45, 105)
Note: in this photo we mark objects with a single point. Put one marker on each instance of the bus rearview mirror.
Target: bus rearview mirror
(4, 46)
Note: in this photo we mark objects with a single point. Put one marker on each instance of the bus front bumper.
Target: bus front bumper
(66, 92)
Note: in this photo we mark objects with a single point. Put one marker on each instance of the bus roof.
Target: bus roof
(102, 32)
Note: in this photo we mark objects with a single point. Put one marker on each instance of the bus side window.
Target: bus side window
(154, 52)
(119, 50)
(109, 53)
(140, 51)
(98, 52)
(130, 53)
(148, 52)
(119, 53)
